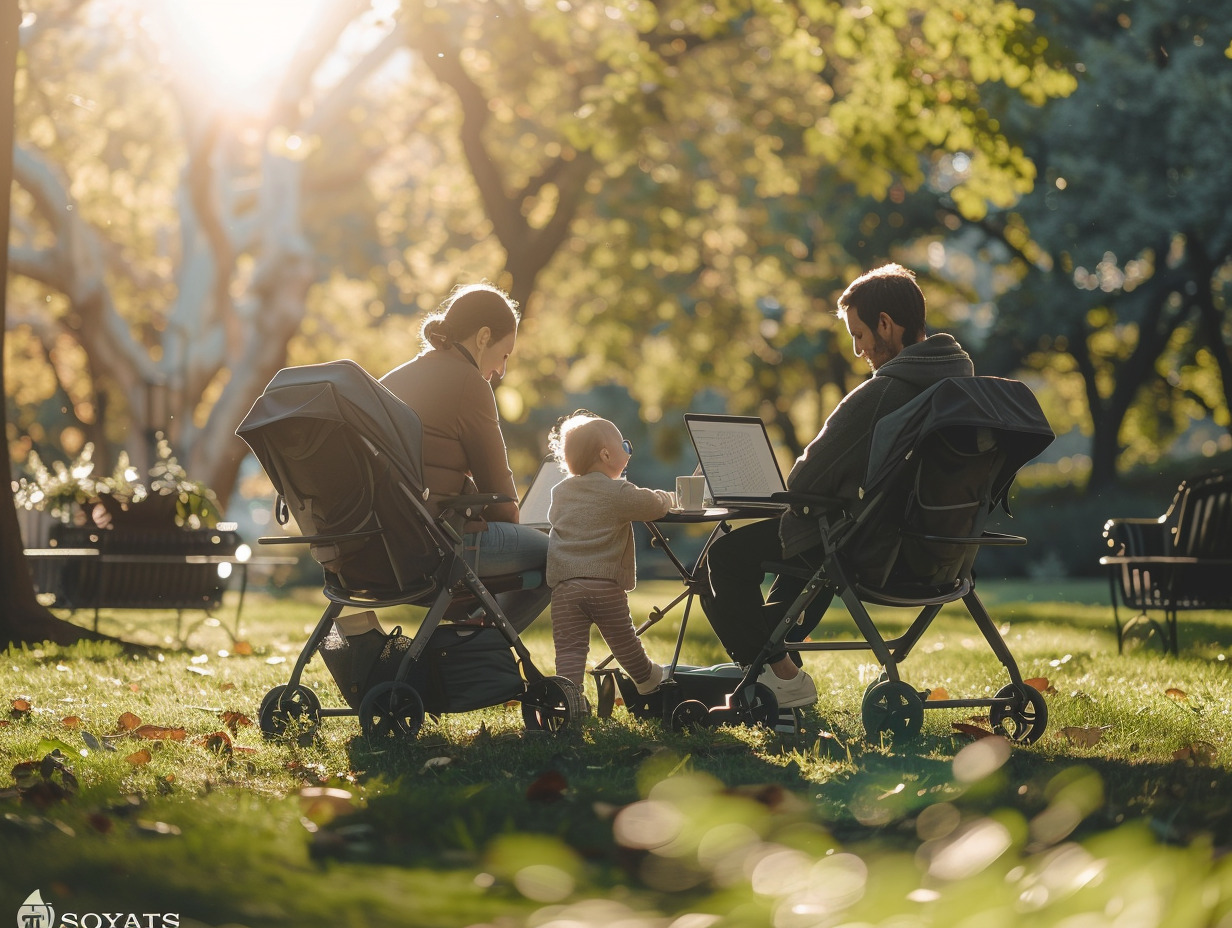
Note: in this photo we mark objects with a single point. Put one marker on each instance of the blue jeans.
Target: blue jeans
(509, 548)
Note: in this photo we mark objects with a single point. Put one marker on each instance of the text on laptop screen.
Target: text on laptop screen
(736, 456)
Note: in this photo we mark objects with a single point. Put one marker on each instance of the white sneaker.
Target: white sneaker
(652, 682)
(800, 690)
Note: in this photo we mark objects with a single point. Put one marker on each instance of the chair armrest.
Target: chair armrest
(1166, 561)
(1138, 537)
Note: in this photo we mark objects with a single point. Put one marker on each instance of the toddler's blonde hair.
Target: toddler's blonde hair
(577, 439)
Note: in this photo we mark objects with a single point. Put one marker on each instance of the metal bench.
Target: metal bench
(180, 569)
(1180, 561)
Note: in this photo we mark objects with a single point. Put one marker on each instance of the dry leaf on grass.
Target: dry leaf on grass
(127, 722)
(219, 742)
(233, 720)
(242, 648)
(1200, 753)
(21, 708)
(1083, 736)
(159, 733)
(1040, 683)
(71, 721)
(972, 731)
(138, 758)
(1177, 694)
(939, 693)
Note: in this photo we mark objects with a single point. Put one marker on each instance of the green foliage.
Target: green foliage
(1125, 267)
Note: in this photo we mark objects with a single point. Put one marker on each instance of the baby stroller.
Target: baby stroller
(344, 455)
(938, 467)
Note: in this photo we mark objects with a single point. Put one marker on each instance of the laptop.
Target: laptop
(535, 502)
(737, 460)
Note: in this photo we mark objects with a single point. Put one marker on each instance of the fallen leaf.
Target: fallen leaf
(971, 731)
(432, 762)
(135, 687)
(1039, 683)
(226, 686)
(1200, 753)
(159, 733)
(26, 774)
(71, 721)
(1082, 737)
(128, 722)
(233, 720)
(549, 787)
(21, 707)
(939, 693)
(219, 742)
(137, 758)
(242, 648)
(1178, 695)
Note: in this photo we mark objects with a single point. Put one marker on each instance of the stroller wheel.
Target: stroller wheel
(391, 709)
(692, 713)
(755, 704)
(1023, 720)
(552, 704)
(893, 707)
(283, 706)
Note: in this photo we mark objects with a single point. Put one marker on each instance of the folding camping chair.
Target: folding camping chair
(344, 455)
(938, 467)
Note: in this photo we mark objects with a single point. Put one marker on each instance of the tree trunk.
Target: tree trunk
(22, 619)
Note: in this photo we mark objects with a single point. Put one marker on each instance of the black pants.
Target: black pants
(741, 616)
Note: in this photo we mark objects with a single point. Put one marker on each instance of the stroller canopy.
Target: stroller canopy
(321, 397)
(1006, 406)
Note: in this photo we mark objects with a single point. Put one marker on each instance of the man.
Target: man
(884, 314)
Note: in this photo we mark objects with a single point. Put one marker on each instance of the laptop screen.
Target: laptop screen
(533, 509)
(736, 457)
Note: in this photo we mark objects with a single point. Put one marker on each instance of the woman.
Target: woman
(449, 385)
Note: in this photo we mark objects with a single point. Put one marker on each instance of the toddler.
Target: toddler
(591, 563)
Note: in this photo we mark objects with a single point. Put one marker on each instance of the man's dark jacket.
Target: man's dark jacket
(835, 462)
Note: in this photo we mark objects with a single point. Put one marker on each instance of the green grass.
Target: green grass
(1121, 810)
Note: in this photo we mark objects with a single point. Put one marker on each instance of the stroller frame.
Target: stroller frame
(982, 430)
(363, 429)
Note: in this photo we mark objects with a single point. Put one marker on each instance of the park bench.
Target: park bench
(84, 567)
(1180, 561)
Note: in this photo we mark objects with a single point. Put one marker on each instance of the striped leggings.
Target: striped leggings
(575, 605)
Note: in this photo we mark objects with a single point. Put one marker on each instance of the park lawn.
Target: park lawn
(1122, 808)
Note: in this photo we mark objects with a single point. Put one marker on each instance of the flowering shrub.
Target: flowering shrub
(72, 491)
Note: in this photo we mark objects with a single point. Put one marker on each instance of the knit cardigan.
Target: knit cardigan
(592, 531)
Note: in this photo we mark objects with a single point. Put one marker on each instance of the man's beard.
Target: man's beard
(882, 351)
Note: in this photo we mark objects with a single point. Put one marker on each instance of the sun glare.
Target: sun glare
(239, 46)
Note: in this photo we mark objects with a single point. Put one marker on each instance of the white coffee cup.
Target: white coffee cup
(689, 493)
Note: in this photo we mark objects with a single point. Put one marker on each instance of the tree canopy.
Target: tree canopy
(668, 189)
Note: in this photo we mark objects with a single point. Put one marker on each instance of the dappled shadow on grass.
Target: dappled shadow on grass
(448, 795)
